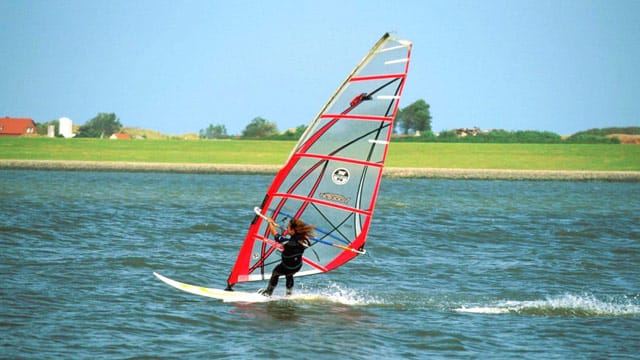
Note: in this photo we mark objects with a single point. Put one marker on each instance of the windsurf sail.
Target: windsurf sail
(332, 176)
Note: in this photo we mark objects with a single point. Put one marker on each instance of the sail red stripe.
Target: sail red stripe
(341, 159)
(377, 77)
(314, 264)
(325, 203)
(356, 117)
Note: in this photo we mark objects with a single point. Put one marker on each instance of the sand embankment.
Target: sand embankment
(390, 172)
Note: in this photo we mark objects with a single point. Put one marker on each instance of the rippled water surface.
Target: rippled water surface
(455, 269)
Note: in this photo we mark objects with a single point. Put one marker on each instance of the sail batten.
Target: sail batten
(398, 61)
(331, 178)
(393, 48)
(388, 97)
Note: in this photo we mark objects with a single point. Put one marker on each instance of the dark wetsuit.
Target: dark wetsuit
(291, 261)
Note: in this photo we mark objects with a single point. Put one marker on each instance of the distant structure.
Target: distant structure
(462, 132)
(120, 136)
(66, 127)
(51, 131)
(17, 127)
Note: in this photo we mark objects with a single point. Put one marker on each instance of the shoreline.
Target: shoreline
(389, 172)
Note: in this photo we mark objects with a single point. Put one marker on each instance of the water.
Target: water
(457, 269)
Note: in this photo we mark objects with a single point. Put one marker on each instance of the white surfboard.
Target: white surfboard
(220, 294)
(232, 296)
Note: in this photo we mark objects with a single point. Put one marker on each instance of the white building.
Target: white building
(66, 127)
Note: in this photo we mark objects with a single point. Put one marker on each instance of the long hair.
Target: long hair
(302, 230)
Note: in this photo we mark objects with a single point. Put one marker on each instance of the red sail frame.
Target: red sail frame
(333, 175)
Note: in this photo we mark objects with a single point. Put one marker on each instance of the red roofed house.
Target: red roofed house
(120, 136)
(17, 127)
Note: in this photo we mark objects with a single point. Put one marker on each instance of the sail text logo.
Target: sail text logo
(335, 197)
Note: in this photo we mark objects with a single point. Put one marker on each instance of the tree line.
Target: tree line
(411, 119)
(412, 124)
(510, 137)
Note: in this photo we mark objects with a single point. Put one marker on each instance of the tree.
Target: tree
(415, 117)
(299, 131)
(214, 132)
(103, 125)
(291, 134)
(260, 128)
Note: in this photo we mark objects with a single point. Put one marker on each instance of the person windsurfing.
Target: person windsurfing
(294, 241)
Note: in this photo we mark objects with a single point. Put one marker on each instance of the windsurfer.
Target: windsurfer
(294, 241)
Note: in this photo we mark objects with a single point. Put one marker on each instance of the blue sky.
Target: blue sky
(178, 66)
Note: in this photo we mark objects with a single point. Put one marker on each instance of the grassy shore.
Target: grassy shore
(434, 160)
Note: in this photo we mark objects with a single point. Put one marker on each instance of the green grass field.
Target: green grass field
(419, 155)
